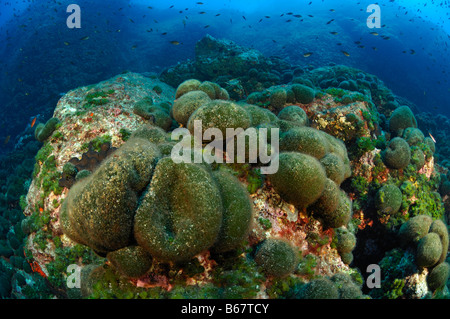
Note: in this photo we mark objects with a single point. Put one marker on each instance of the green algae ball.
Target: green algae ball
(99, 209)
(415, 229)
(187, 86)
(237, 212)
(300, 179)
(334, 167)
(438, 276)
(388, 199)
(303, 94)
(44, 131)
(278, 98)
(328, 201)
(259, 115)
(429, 250)
(345, 241)
(295, 114)
(341, 215)
(413, 135)
(400, 119)
(398, 154)
(70, 169)
(180, 214)
(153, 134)
(277, 257)
(184, 106)
(440, 228)
(220, 114)
(131, 261)
(417, 158)
(320, 288)
(305, 140)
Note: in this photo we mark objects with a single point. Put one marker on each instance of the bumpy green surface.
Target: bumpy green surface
(415, 229)
(185, 105)
(99, 209)
(187, 86)
(398, 154)
(438, 276)
(221, 115)
(300, 179)
(180, 214)
(131, 261)
(429, 250)
(321, 288)
(295, 114)
(277, 257)
(303, 94)
(401, 119)
(440, 228)
(334, 167)
(237, 212)
(388, 199)
(305, 140)
(44, 131)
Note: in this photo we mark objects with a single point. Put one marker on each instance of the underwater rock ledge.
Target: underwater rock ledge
(339, 202)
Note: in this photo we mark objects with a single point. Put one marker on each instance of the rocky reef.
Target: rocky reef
(358, 184)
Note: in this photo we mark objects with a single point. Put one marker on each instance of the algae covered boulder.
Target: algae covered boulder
(220, 114)
(277, 257)
(99, 209)
(398, 154)
(180, 214)
(237, 212)
(300, 179)
(401, 119)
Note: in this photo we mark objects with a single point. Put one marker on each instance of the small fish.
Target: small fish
(244, 18)
(85, 38)
(217, 14)
(308, 54)
(434, 140)
(7, 139)
(413, 52)
(33, 122)
(199, 2)
(297, 16)
(202, 12)
(206, 26)
(66, 43)
(131, 20)
(345, 53)
(374, 33)
(134, 47)
(334, 33)
(289, 20)
(330, 21)
(175, 42)
(332, 10)
(164, 33)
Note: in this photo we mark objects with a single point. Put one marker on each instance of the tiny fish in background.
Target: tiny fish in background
(346, 53)
(434, 140)
(175, 42)
(33, 121)
(7, 139)
(308, 54)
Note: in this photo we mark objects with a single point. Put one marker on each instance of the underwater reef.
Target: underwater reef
(359, 183)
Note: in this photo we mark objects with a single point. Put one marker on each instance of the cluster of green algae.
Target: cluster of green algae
(291, 123)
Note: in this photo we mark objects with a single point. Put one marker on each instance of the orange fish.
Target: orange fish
(33, 121)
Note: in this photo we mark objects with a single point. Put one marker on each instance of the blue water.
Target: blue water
(40, 57)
